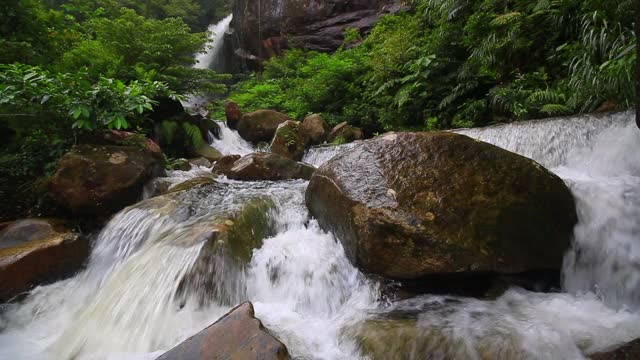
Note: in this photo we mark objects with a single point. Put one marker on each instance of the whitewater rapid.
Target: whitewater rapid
(127, 303)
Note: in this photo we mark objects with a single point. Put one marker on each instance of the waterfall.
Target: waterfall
(128, 304)
(230, 142)
(210, 59)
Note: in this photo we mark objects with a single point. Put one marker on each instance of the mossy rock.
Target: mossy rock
(230, 241)
(439, 203)
(268, 166)
(405, 336)
(207, 152)
(192, 183)
(289, 141)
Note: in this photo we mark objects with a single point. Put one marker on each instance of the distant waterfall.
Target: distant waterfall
(211, 58)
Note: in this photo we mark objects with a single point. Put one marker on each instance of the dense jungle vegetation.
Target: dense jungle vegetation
(78, 65)
(461, 63)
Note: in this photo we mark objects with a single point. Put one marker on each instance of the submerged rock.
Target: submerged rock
(37, 251)
(315, 129)
(180, 164)
(208, 152)
(260, 125)
(237, 335)
(268, 166)
(200, 161)
(192, 183)
(229, 243)
(345, 133)
(628, 351)
(289, 141)
(408, 205)
(97, 179)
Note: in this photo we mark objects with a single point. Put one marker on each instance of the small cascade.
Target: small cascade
(230, 142)
(319, 155)
(597, 157)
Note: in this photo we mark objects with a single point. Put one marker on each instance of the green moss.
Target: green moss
(247, 230)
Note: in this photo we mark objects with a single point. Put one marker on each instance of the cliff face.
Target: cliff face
(264, 28)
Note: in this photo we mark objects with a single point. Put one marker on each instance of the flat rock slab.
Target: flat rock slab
(236, 336)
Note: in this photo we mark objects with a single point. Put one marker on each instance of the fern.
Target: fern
(168, 131)
(505, 19)
(193, 136)
(555, 109)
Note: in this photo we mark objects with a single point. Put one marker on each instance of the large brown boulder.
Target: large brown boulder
(224, 164)
(260, 125)
(315, 129)
(345, 133)
(233, 114)
(407, 205)
(289, 141)
(36, 251)
(94, 179)
(238, 335)
(268, 166)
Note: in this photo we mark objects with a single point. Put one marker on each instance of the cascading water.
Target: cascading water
(210, 58)
(319, 155)
(128, 303)
(230, 142)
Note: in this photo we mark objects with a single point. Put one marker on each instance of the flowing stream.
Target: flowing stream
(127, 303)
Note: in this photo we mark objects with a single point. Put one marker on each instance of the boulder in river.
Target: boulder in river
(345, 133)
(315, 129)
(200, 161)
(100, 179)
(208, 152)
(268, 166)
(260, 125)
(233, 114)
(36, 251)
(289, 141)
(236, 335)
(225, 164)
(408, 205)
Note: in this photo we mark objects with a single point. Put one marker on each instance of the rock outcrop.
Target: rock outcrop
(225, 164)
(237, 335)
(260, 125)
(103, 177)
(407, 205)
(268, 166)
(37, 251)
(264, 32)
(289, 141)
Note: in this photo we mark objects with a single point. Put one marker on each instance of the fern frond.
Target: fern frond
(193, 135)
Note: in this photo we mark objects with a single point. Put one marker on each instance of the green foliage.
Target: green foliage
(108, 103)
(461, 63)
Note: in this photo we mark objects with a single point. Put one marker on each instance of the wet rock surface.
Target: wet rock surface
(315, 129)
(289, 141)
(37, 251)
(237, 335)
(268, 166)
(260, 125)
(408, 205)
(99, 179)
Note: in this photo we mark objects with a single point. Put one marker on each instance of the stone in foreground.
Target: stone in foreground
(236, 336)
(36, 251)
(408, 205)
